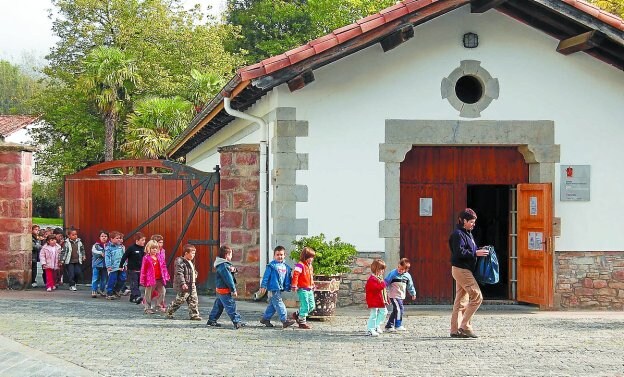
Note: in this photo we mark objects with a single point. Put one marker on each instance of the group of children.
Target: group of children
(277, 279)
(56, 254)
(145, 264)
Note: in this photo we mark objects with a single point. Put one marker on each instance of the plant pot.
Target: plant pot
(325, 295)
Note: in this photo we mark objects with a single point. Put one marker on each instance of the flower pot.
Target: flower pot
(325, 296)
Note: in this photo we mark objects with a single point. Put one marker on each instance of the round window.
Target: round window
(469, 89)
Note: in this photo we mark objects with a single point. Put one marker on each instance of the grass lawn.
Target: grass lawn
(47, 221)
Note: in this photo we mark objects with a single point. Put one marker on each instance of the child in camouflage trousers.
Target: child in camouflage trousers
(184, 284)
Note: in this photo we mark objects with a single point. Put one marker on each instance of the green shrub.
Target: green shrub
(332, 257)
(47, 198)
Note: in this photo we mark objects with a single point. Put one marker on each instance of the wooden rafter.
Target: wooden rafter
(482, 6)
(393, 40)
(580, 42)
(301, 81)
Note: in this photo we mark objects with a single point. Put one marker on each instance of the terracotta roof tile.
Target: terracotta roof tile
(300, 53)
(347, 34)
(11, 123)
(374, 21)
(394, 12)
(371, 22)
(600, 14)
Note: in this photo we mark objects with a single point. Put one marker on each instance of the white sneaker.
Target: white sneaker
(34, 285)
(401, 328)
(49, 289)
(371, 332)
(379, 330)
(390, 329)
(72, 288)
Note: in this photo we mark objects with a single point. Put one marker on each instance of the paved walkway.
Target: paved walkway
(70, 334)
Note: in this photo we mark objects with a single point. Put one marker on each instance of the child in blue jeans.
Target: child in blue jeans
(399, 282)
(226, 290)
(276, 279)
(116, 275)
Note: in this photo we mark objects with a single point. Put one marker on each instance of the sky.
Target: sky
(25, 29)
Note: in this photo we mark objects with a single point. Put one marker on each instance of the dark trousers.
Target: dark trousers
(73, 272)
(396, 318)
(34, 272)
(224, 302)
(134, 276)
(116, 280)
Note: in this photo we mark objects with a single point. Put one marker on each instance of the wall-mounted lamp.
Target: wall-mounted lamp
(471, 40)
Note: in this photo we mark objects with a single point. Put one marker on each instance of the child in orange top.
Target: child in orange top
(376, 298)
(303, 283)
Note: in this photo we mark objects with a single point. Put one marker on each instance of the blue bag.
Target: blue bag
(487, 268)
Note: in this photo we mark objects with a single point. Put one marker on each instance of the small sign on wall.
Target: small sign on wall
(574, 183)
(426, 206)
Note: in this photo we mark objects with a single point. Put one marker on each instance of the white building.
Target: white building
(382, 131)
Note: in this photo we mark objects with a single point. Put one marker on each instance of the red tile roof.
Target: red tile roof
(12, 123)
(346, 33)
(592, 10)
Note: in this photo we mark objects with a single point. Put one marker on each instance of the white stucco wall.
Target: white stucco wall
(347, 106)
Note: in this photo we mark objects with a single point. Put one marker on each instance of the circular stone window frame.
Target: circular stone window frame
(490, 88)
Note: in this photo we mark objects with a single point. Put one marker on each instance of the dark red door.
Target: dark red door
(443, 174)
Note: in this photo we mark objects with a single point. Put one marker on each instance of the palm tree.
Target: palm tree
(202, 88)
(109, 78)
(154, 124)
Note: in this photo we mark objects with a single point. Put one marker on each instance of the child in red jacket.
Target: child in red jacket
(376, 298)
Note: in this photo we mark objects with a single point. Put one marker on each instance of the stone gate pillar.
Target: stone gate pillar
(240, 211)
(15, 215)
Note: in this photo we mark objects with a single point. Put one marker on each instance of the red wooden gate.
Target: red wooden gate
(443, 174)
(149, 196)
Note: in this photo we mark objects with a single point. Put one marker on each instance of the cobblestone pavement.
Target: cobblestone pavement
(70, 334)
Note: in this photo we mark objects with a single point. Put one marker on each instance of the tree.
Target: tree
(71, 134)
(612, 6)
(154, 123)
(109, 79)
(270, 27)
(16, 88)
(203, 87)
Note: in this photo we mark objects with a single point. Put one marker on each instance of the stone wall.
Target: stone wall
(15, 215)
(589, 280)
(352, 285)
(240, 212)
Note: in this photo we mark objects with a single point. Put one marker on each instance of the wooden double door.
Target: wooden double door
(438, 182)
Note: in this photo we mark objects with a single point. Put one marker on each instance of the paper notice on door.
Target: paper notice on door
(426, 206)
(536, 241)
(533, 205)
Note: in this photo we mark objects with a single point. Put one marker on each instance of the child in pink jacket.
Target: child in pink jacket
(154, 275)
(49, 257)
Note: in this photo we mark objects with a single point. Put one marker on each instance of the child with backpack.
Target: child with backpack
(276, 279)
(226, 290)
(154, 275)
(184, 284)
(98, 267)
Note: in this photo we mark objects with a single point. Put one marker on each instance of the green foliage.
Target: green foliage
(72, 134)
(48, 221)
(149, 49)
(46, 196)
(154, 123)
(612, 6)
(333, 257)
(270, 27)
(16, 88)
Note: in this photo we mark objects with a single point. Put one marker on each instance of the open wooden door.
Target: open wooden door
(535, 246)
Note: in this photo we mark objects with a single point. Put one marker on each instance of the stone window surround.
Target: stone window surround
(534, 139)
(470, 68)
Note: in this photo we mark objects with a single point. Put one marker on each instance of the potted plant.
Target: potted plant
(333, 258)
